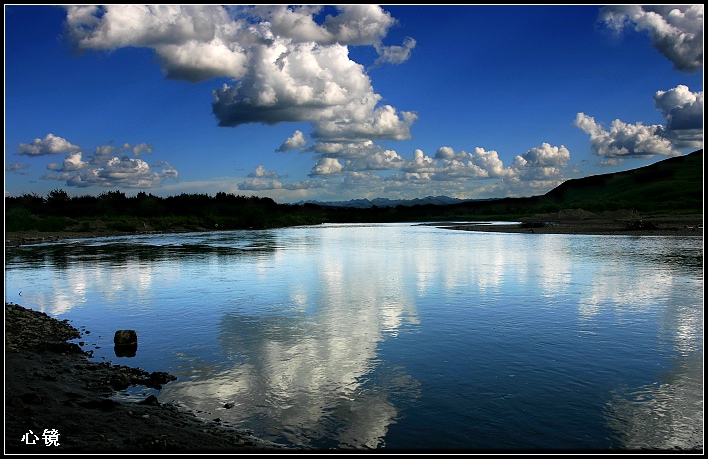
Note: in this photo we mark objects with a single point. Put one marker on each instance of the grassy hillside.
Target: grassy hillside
(671, 186)
(674, 184)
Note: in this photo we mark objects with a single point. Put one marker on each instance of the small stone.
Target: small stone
(125, 338)
(151, 400)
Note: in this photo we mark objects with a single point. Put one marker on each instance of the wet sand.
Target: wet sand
(579, 222)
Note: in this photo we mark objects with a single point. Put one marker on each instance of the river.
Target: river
(398, 336)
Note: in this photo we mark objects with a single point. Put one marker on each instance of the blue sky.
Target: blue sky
(337, 103)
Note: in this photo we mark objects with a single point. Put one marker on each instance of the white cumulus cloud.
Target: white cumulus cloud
(546, 155)
(353, 25)
(327, 167)
(138, 149)
(262, 172)
(676, 31)
(259, 184)
(49, 145)
(297, 140)
(395, 54)
(17, 168)
(683, 111)
(420, 164)
(360, 156)
(117, 172)
(103, 168)
(285, 63)
(72, 162)
(624, 140)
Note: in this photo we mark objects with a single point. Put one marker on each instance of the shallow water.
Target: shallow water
(398, 336)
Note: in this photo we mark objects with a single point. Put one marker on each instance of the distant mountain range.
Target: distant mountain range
(385, 202)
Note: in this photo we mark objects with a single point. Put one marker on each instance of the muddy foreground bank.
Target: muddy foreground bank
(57, 401)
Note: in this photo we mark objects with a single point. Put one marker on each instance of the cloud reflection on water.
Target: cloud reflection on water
(303, 317)
(314, 372)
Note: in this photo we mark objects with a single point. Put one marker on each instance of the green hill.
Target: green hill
(672, 185)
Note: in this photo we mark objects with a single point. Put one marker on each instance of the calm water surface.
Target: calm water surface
(398, 336)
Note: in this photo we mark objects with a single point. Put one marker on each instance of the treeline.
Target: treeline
(113, 211)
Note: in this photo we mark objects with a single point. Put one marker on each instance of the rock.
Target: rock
(126, 343)
(157, 378)
(125, 338)
(151, 400)
(120, 381)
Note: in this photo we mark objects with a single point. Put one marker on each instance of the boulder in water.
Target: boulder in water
(125, 338)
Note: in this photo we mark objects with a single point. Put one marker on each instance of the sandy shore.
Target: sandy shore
(58, 402)
(610, 223)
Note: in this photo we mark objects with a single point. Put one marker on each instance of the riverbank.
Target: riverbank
(570, 221)
(577, 221)
(57, 401)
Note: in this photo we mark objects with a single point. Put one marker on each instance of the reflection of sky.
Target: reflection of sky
(667, 413)
(488, 264)
(302, 315)
(625, 293)
(306, 370)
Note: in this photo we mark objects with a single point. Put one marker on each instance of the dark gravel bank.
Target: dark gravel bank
(50, 385)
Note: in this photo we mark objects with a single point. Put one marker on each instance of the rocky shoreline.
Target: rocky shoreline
(57, 401)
